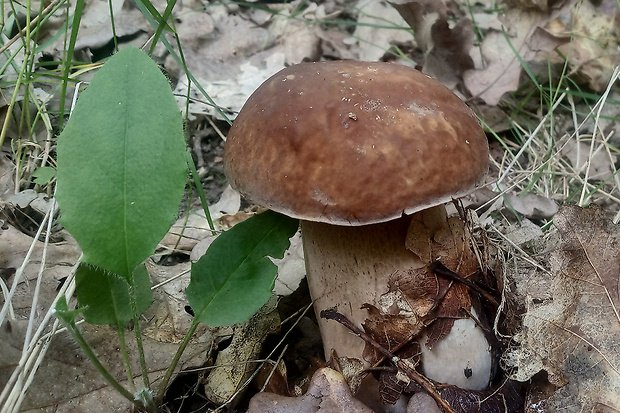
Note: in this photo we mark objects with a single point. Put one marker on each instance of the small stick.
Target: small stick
(443, 271)
(422, 381)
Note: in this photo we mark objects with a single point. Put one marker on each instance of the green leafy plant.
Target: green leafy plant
(122, 169)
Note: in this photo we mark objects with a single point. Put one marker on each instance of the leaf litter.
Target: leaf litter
(571, 324)
(572, 341)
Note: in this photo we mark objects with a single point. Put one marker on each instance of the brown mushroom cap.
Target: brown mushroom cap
(354, 143)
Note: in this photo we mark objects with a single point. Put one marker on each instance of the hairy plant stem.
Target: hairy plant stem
(79, 338)
(138, 331)
(121, 338)
(149, 403)
(175, 361)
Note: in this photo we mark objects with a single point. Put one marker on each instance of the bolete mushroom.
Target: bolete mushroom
(352, 149)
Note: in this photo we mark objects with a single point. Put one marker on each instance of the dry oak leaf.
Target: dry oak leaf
(432, 236)
(500, 69)
(592, 244)
(446, 46)
(391, 332)
(572, 326)
(593, 50)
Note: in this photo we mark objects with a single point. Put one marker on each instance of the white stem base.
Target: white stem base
(462, 358)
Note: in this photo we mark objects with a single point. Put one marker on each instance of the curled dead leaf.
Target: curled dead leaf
(232, 370)
(502, 52)
(446, 46)
(531, 205)
(392, 332)
(328, 392)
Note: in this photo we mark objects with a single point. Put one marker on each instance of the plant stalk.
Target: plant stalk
(79, 338)
(175, 362)
(199, 188)
(138, 331)
(121, 338)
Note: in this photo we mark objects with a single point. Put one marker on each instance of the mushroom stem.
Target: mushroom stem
(347, 267)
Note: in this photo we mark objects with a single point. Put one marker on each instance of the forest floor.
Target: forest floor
(540, 75)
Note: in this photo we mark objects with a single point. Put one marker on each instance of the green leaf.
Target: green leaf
(43, 174)
(105, 297)
(235, 277)
(121, 167)
(62, 312)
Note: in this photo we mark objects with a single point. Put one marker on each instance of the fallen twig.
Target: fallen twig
(402, 365)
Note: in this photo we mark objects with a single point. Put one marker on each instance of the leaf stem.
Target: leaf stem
(123, 343)
(79, 338)
(175, 361)
(138, 331)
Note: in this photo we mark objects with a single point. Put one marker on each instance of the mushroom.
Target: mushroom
(353, 149)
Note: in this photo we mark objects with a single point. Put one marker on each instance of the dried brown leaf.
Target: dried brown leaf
(572, 325)
(14, 246)
(592, 245)
(500, 68)
(418, 294)
(446, 46)
(391, 388)
(232, 368)
(451, 308)
(231, 55)
(328, 392)
(432, 236)
(593, 49)
(67, 382)
(392, 332)
(601, 165)
(274, 379)
(388, 330)
(541, 5)
(420, 288)
(601, 408)
(531, 205)
(373, 37)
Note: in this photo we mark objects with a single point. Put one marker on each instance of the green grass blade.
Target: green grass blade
(75, 27)
(173, 53)
(201, 192)
(162, 24)
(152, 12)
(235, 277)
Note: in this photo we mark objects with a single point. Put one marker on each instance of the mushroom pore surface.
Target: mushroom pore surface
(354, 143)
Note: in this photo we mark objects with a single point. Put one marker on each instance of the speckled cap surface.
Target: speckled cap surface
(354, 143)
